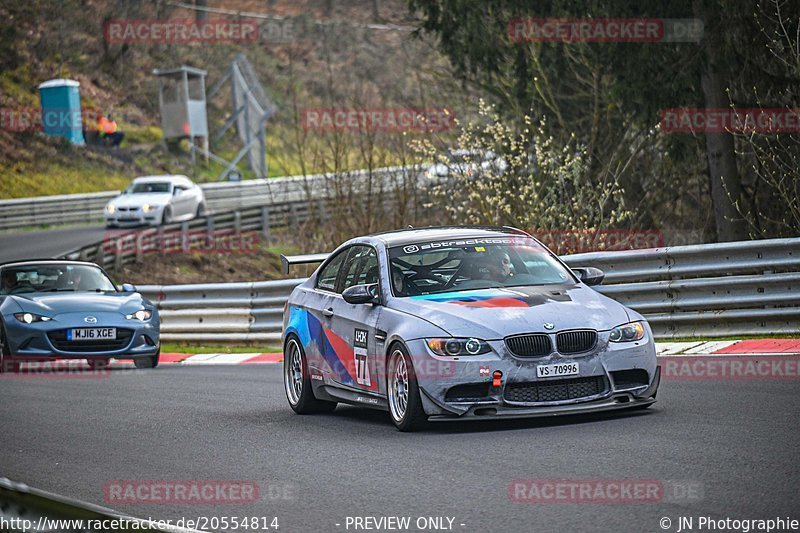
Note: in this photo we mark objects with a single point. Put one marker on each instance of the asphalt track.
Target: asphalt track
(732, 444)
(47, 243)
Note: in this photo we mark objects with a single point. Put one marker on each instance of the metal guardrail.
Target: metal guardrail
(708, 290)
(120, 248)
(226, 196)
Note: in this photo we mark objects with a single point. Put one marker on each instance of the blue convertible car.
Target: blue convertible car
(455, 323)
(71, 310)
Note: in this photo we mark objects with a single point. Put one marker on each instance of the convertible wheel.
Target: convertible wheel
(148, 362)
(405, 405)
(298, 384)
(6, 365)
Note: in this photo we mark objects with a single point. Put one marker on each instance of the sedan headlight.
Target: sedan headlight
(140, 315)
(455, 346)
(147, 208)
(632, 331)
(30, 318)
(110, 209)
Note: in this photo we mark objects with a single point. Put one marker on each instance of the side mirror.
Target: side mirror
(590, 275)
(361, 294)
(127, 287)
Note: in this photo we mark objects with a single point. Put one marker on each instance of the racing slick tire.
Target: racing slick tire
(297, 384)
(148, 362)
(405, 404)
(6, 365)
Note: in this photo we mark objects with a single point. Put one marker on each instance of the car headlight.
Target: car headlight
(147, 208)
(141, 315)
(30, 318)
(110, 209)
(455, 346)
(632, 331)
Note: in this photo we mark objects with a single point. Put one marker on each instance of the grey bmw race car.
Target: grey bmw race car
(55, 309)
(461, 322)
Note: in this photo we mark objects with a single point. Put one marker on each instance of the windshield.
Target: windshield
(153, 187)
(469, 264)
(54, 278)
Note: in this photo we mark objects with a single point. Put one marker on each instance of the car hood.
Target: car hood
(497, 313)
(137, 200)
(53, 304)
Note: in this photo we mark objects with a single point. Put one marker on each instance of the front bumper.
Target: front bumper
(133, 217)
(44, 341)
(603, 383)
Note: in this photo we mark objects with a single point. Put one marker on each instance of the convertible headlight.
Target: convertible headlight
(632, 331)
(30, 318)
(141, 315)
(110, 209)
(455, 346)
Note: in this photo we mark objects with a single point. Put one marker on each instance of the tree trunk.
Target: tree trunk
(726, 186)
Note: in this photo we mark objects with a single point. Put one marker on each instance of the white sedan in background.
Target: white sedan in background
(154, 200)
(468, 163)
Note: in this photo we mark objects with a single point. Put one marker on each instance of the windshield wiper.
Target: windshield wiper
(60, 290)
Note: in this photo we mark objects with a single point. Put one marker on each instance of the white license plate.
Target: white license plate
(557, 370)
(88, 334)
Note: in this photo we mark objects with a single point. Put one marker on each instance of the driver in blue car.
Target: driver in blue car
(9, 281)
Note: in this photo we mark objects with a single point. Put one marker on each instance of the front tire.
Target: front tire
(148, 362)
(6, 364)
(297, 383)
(405, 404)
(166, 216)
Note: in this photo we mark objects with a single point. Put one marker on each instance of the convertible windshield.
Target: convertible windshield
(54, 278)
(470, 264)
(152, 187)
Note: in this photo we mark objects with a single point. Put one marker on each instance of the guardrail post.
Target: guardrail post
(237, 221)
(293, 216)
(118, 254)
(322, 210)
(265, 227)
(160, 244)
(185, 236)
(138, 244)
(99, 253)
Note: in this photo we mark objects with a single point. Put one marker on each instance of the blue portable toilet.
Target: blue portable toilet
(61, 109)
